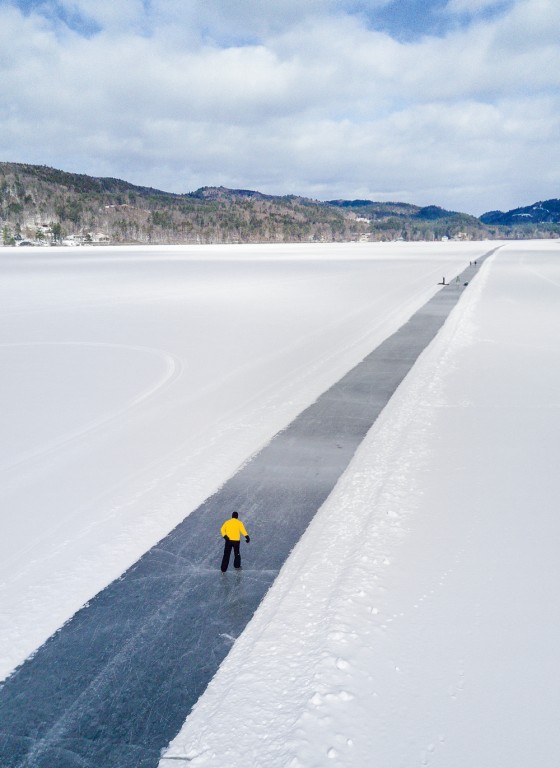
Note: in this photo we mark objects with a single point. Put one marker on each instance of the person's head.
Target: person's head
(234, 514)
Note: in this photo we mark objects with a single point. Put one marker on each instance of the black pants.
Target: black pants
(229, 545)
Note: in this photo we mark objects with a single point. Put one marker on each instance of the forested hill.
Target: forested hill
(545, 212)
(45, 205)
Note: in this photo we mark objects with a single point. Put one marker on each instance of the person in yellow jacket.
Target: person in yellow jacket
(231, 530)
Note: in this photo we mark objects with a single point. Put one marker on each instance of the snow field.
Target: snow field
(136, 381)
(415, 623)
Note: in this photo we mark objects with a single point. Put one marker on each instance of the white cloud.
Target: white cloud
(319, 104)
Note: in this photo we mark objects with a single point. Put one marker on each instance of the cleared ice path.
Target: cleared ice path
(113, 687)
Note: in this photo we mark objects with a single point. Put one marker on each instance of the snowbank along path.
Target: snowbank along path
(114, 685)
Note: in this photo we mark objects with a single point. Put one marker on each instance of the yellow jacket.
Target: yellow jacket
(233, 528)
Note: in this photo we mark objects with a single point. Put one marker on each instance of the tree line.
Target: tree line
(44, 205)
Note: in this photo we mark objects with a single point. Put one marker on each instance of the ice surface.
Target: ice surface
(416, 622)
(114, 685)
(135, 382)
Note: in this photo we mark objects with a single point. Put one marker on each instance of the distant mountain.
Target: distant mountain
(42, 205)
(538, 213)
(407, 210)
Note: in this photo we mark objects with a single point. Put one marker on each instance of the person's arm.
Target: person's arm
(223, 531)
(244, 532)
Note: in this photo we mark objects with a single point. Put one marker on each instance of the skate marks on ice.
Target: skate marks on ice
(163, 369)
(113, 686)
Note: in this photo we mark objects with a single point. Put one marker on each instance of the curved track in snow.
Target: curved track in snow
(173, 369)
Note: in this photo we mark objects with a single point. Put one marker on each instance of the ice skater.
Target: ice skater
(232, 530)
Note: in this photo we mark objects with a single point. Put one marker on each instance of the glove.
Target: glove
(247, 539)
(226, 538)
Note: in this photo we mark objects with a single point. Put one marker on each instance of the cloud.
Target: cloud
(306, 98)
(235, 21)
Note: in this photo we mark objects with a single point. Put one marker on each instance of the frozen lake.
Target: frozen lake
(415, 623)
(136, 381)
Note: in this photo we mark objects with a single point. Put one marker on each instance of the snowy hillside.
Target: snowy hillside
(416, 623)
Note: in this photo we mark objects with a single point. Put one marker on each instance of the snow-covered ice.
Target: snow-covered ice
(416, 623)
(135, 381)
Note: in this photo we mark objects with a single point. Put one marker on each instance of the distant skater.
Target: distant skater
(232, 530)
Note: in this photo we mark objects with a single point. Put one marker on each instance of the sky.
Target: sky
(447, 102)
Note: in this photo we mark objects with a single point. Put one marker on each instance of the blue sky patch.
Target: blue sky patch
(57, 14)
(410, 20)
